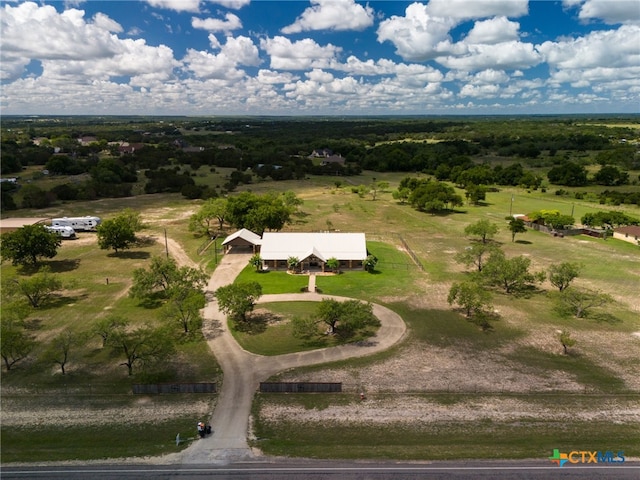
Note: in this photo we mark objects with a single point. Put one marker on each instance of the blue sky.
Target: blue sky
(319, 57)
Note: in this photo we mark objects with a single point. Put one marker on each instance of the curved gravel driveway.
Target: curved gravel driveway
(243, 371)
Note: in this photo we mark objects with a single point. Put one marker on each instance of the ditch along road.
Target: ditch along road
(243, 371)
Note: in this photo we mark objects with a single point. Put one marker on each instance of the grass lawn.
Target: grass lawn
(116, 440)
(271, 332)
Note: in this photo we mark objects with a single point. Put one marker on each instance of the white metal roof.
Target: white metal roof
(245, 234)
(342, 246)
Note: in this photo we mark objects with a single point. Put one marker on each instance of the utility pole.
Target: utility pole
(511, 206)
(166, 243)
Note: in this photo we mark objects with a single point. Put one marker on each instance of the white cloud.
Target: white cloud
(504, 56)
(418, 36)
(606, 48)
(469, 9)
(271, 77)
(495, 30)
(103, 21)
(301, 55)
(610, 11)
(224, 65)
(234, 4)
(177, 5)
(72, 48)
(320, 76)
(230, 23)
(332, 15)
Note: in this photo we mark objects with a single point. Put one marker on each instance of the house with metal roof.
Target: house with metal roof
(313, 249)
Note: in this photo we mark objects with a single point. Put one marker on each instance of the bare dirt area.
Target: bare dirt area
(414, 410)
(19, 411)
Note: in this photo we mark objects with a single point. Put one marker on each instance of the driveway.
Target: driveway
(243, 371)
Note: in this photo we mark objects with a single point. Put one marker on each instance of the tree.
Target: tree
(238, 299)
(293, 263)
(26, 245)
(258, 213)
(370, 263)
(609, 220)
(483, 229)
(106, 326)
(37, 288)
(144, 345)
(552, 218)
(561, 275)
(334, 264)
(569, 174)
(511, 274)
(471, 296)
(256, 262)
(401, 194)
(185, 309)
(581, 302)
(116, 233)
(60, 348)
(15, 342)
(291, 200)
(377, 187)
(476, 254)
(347, 316)
(434, 196)
(566, 341)
(610, 175)
(214, 209)
(165, 279)
(516, 225)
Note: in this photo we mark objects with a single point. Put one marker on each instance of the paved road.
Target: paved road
(243, 371)
(325, 470)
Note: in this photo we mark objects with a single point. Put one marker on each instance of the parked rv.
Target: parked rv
(77, 223)
(64, 232)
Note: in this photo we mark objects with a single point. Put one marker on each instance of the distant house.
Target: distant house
(629, 234)
(87, 140)
(321, 153)
(129, 148)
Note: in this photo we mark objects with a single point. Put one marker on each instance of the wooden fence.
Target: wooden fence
(162, 388)
(300, 387)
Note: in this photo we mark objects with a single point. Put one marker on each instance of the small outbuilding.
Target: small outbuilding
(630, 233)
(242, 241)
(11, 224)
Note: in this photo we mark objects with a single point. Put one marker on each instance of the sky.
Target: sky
(319, 57)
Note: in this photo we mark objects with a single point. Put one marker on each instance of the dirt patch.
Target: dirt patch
(21, 412)
(413, 411)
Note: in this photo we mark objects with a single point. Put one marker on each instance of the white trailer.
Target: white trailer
(64, 232)
(77, 223)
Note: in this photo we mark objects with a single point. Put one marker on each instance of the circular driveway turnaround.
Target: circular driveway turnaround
(243, 371)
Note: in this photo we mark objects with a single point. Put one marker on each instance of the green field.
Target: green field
(604, 360)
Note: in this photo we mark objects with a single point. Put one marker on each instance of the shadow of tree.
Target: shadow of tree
(604, 317)
(254, 325)
(58, 266)
(523, 242)
(130, 255)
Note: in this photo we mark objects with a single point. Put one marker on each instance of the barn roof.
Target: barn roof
(342, 246)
